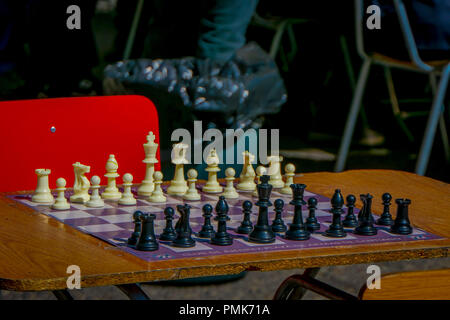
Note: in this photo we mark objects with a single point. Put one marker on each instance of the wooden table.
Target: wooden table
(35, 250)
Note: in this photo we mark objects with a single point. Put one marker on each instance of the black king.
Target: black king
(262, 232)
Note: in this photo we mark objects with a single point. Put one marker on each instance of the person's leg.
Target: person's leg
(223, 28)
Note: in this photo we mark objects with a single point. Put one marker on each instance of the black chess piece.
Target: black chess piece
(184, 232)
(168, 233)
(336, 229)
(311, 222)
(297, 229)
(219, 203)
(246, 225)
(402, 225)
(278, 223)
(350, 220)
(137, 228)
(207, 230)
(222, 237)
(386, 217)
(365, 227)
(363, 209)
(180, 222)
(147, 240)
(262, 232)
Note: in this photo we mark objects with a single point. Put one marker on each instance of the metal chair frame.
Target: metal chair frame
(417, 65)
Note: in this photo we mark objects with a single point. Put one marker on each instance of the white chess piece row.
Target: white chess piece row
(81, 188)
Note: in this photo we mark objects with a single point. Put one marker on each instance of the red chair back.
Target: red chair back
(55, 133)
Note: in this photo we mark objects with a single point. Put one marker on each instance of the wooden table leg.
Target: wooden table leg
(294, 287)
(62, 294)
(133, 291)
(299, 291)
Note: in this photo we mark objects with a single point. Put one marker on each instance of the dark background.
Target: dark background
(48, 60)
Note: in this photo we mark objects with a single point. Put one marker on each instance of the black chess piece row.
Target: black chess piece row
(364, 223)
(262, 232)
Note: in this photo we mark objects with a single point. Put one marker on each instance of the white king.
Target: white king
(150, 148)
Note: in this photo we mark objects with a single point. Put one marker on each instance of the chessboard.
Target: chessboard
(113, 223)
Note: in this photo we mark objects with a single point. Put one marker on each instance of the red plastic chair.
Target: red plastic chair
(55, 133)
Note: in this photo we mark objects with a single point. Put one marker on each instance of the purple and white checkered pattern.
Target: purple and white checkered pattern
(114, 224)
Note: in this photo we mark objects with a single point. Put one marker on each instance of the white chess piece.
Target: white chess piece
(192, 193)
(127, 196)
(230, 192)
(61, 202)
(150, 148)
(157, 194)
(111, 191)
(247, 177)
(81, 184)
(42, 193)
(212, 185)
(178, 185)
(96, 201)
(289, 173)
(260, 171)
(274, 171)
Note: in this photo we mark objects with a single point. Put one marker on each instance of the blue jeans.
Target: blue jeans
(223, 28)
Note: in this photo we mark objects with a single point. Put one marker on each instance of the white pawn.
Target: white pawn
(274, 171)
(192, 193)
(230, 192)
(42, 193)
(289, 173)
(95, 201)
(127, 196)
(61, 202)
(260, 171)
(157, 194)
(212, 185)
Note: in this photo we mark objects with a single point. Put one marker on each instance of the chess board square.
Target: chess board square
(80, 206)
(198, 247)
(129, 225)
(321, 237)
(323, 205)
(253, 244)
(118, 218)
(107, 211)
(64, 215)
(146, 209)
(85, 221)
(97, 228)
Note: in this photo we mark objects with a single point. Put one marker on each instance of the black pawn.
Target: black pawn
(137, 228)
(297, 229)
(147, 240)
(365, 227)
(222, 237)
(336, 229)
(184, 232)
(386, 218)
(311, 222)
(278, 223)
(401, 224)
(350, 220)
(207, 229)
(168, 233)
(246, 225)
(262, 232)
